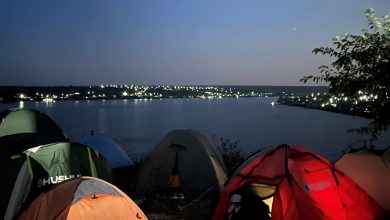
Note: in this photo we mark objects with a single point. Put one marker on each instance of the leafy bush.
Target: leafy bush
(231, 154)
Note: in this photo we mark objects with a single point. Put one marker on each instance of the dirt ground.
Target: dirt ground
(175, 209)
(162, 206)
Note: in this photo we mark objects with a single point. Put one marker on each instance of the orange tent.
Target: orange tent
(297, 185)
(83, 198)
(371, 170)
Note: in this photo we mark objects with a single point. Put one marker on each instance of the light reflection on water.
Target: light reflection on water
(139, 124)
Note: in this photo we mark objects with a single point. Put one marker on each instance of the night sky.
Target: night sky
(174, 42)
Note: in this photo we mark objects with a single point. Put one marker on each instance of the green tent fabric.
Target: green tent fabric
(200, 166)
(35, 153)
(28, 174)
(21, 129)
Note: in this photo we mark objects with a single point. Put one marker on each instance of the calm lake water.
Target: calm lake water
(138, 125)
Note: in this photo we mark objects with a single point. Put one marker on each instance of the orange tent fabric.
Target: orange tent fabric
(83, 198)
(370, 171)
(307, 186)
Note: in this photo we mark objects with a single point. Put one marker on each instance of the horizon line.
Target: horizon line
(187, 85)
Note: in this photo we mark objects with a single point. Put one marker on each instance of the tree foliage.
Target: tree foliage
(361, 69)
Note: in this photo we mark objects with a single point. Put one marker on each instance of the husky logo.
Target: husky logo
(55, 179)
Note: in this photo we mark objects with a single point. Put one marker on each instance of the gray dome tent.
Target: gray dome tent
(192, 155)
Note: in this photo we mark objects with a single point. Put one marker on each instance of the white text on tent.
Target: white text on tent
(55, 179)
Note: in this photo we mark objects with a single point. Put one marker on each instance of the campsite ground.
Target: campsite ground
(162, 207)
(174, 209)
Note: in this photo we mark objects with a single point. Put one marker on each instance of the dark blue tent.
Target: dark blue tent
(110, 150)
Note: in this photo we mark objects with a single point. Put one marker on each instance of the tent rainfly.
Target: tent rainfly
(184, 159)
(371, 170)
(110, 150)
(83, 198)
(295, 184)
(21, 129)
(35, 153)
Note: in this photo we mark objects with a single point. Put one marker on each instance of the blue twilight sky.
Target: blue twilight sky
(181, 42)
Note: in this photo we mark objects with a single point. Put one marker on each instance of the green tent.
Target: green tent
(28, 174)
(21, 129)
(35, 153)
(185, 159)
